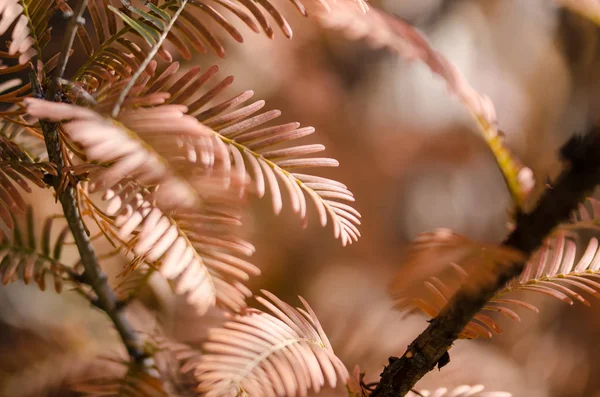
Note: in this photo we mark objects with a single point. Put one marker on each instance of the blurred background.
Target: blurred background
(412, 157)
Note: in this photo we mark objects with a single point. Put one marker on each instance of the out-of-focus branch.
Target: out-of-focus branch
(554, 207)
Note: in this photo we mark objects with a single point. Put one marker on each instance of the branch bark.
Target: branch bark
(93, 274)
(554, 207)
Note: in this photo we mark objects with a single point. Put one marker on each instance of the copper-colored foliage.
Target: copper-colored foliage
(262, 354)
(556, 270)
(134, 384)
(16, 167)
(127, 379)
(25, 43)
(29, 36)
(238, 139)
(186, 356)
(156, 160)
(432, 251)
(10, 93)
(130, 285)
(184, 245)
(117, 57)
(587, 216)
(144, 146)
(199, 249)
(178, 142)
(429, 258)
(248, 144)
(27, 136)
(29, 258)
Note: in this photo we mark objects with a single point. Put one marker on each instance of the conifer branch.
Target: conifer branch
(431, 347)
(93, 275)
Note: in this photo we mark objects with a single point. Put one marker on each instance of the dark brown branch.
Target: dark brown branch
(554, 207)
(93, 275)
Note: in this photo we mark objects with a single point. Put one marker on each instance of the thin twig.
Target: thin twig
(93, 275)
(123, 95)
(68, 39)
(554, 207)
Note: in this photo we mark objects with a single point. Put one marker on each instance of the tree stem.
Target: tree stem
(554, 207)
(93, 274)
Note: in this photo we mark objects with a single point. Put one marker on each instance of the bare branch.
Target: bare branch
(555, 206)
